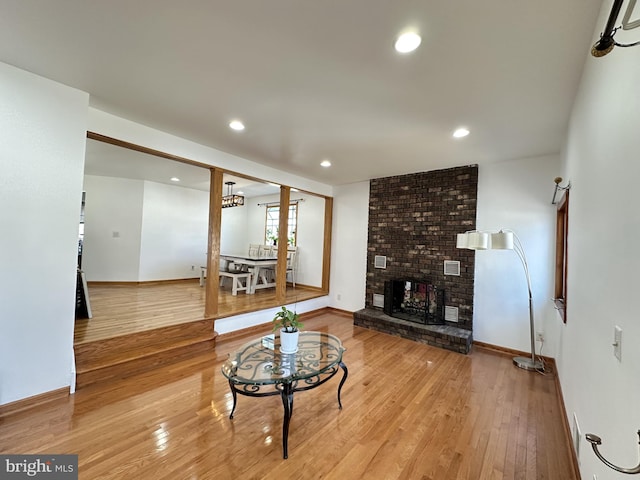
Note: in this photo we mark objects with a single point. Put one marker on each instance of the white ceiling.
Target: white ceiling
(104, 159)
(320, 79)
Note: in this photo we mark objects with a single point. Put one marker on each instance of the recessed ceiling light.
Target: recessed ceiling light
(273, 184)
(175, 179)
(461, 132)
(325, 163)
(407, 42)
(240, 193)
(237, 125)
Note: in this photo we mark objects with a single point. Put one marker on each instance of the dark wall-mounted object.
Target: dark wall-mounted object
(606, 42)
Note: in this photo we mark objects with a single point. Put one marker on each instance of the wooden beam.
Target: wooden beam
(213, 249)
(139, 148)
(326, 250)
(283, 243)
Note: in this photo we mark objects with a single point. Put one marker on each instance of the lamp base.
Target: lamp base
(527, 364)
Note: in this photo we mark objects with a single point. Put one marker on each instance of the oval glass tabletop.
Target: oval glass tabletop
(260, 362)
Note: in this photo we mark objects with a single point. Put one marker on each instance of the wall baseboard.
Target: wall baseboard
(338, 311)
(34, 401)
(148, 282)
(565, 424)
(512, 352)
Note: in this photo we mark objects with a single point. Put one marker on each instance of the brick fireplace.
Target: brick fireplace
(413, 222)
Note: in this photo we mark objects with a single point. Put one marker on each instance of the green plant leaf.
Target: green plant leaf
(287, 320)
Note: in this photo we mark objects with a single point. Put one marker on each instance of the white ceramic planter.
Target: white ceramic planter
(288, 341)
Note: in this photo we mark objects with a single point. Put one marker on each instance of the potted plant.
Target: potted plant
(287, 322)
(272, 236)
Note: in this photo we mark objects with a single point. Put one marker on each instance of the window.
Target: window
(562, 224)
(273, 221)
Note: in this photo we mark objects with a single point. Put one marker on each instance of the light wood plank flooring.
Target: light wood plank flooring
(411, 411)
(125, 309)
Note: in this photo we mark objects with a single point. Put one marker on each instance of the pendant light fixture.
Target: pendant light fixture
(231, 200)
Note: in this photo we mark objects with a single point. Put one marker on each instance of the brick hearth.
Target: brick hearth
(443, 336)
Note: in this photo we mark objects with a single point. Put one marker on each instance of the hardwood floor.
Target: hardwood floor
(126, 309)
(411, 411)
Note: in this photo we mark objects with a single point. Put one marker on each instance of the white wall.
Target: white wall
(603, 167)
(349, 246)
(310, 239)
(256, 217)
(42, 129)
(175, 224)
(234, 236)
(113, 227)
(516, 195)
(138, 231)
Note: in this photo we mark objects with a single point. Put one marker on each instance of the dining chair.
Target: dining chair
(254, 249)
(292, 263)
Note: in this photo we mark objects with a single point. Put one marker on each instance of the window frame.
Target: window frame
(292, 222)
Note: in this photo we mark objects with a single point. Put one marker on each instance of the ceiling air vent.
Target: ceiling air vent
(451, 314)
(380, 261)
(451, 267)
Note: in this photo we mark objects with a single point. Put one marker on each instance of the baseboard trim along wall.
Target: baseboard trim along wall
(34, 401)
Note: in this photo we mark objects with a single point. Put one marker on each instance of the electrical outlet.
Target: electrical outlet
(540, 336)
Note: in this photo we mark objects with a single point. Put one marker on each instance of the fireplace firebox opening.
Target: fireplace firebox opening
(415, 301)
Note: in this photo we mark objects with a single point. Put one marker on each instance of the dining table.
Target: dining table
(257, 265)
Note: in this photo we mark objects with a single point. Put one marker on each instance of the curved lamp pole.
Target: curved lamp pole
(506, 240)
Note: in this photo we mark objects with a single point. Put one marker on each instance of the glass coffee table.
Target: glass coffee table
(259, 369)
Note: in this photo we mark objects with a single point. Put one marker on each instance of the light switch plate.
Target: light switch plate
(617, 343)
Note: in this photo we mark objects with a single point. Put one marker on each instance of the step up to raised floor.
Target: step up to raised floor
(126, 355)
(443, 336)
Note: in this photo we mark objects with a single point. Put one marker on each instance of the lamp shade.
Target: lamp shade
(502, 240)
(478, 240)
(462, 240)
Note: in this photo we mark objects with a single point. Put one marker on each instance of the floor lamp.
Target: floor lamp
(505, 240)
